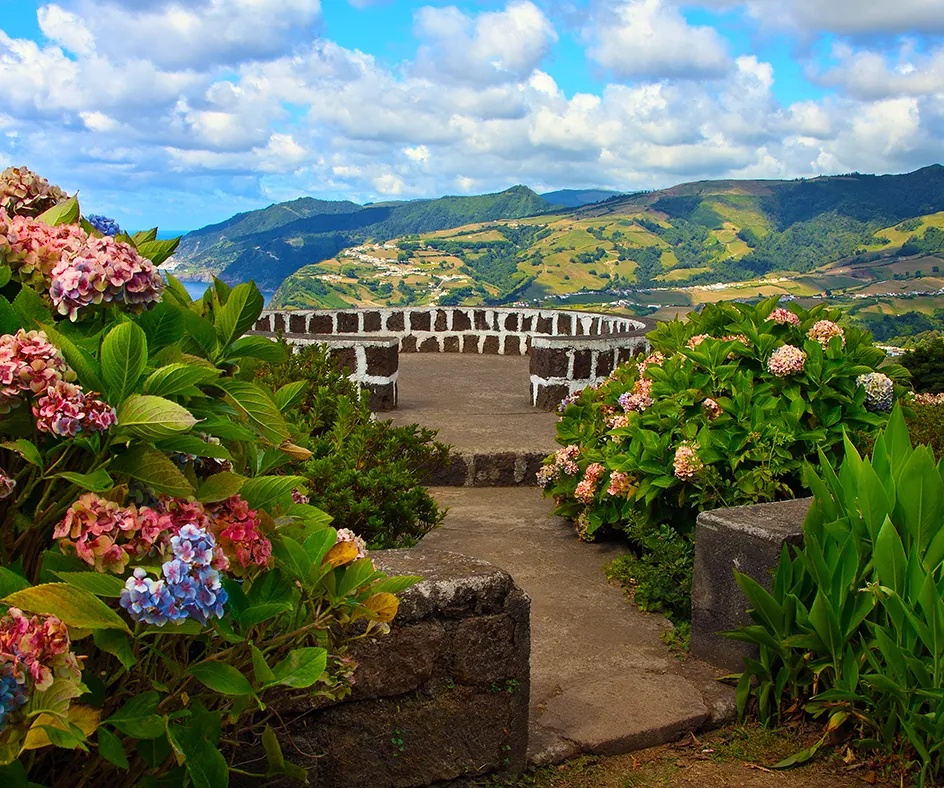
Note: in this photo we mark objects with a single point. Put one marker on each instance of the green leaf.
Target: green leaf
(144, 236)
(220, 486)
(256, 614)
(260, 668)
(301, 668)
(175, 378)
(889, 557)
(6, 274)
(206, 767)
(152, 467)
(258, 407)
(163, 325)
(111, 749)
(394, 585)
(800, 757)
(139, 717)
(290, 394)
(261, 348)
(31, 308)
(27, 450)
(149, 417)
(124, 357)
(9, 319)
(65, 212)
(73, 606)
(239, 313)
(176, 292)
(158, 251)
(97, 481)
(221, 678)
(114, 642)
(10, 581)
(94, 582)
(85, 365)
(191, 444)
(264, 492)
(201, 331)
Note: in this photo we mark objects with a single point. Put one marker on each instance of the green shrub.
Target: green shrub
(926, 365)
(853, 629)
(367, 474)
(724, 412)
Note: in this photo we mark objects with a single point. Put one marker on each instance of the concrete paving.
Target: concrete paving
(602, 681)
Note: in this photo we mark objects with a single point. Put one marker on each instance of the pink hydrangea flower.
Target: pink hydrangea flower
(687, 464)
(712, 409)
(824, 331)
(38, 648)
(655, 359)
(639, 399)
(621, 485)
(566, 459)
(24, 193)
(238, 531)
(786, 360)
(927, 399)
(65, 410)
(29, 364)
(547, 474)
(588, 485)
(696, 340)
(784, 317)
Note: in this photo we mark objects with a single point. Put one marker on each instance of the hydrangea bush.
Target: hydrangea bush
(724, 411)
(157, 582)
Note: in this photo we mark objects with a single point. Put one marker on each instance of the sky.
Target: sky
(184, 112)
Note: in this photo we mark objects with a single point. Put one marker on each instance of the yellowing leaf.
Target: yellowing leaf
(341, 554)
(84, 717)
(294, 451)
(384, 606)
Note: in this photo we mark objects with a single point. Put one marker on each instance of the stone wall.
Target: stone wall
(748, 539)
(575, 349)
(563, 365)
(444, 696)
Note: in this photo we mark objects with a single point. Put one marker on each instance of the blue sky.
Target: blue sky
(181, 113)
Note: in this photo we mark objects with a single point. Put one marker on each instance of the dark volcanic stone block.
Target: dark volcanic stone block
(526, 322)
(490, 346)
(578, 327)
(549, 362)
(746, 538)
(398, 663)
(296, 324)
(321, 324)
(470, 343)
(372, 321)
(382, 360)
(346, 357)
(383, 396)
(408, 344)
(263, 323)
(451, 344)
(461, 320)
(511, 322)
(582, 363)
(512, 346)
(483, 648)
(348, 323)
(545, 325)
(604, 363)
(481, 324)
(455, 473)
(395, 321)
(549, 397)
(429, 345)
(420, 321)
(625, 354)
(279, 321)
(441, 320)
(565, 325)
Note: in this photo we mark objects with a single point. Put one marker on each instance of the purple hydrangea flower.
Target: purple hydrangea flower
(190, 588)
(103, 224)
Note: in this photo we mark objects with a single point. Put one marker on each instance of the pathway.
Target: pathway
(602, 681)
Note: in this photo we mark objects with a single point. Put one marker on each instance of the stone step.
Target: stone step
(488, 469)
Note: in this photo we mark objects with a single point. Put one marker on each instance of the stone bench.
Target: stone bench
(748, 539)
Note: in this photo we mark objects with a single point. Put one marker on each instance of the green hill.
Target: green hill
(842, 234)
(270, 244)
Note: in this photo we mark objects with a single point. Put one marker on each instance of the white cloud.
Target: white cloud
(870, 16)
(65, 28)
(648, 39)
(870, 75)
(495, 46)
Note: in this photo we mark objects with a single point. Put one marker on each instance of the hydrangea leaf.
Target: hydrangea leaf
(148, 417)
(73, 606)
(124, 356)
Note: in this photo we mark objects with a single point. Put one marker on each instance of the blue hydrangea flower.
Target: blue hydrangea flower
(103, 224)
(12, 694)
(190, 587)
(879, 391)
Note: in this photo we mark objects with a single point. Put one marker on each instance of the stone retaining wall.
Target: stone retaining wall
(563, 365)
(576, 349)
(444, 696)
(748, 539)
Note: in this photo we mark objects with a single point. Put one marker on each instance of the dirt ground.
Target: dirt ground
(738, 757)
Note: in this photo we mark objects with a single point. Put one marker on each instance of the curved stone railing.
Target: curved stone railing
(366, 340)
